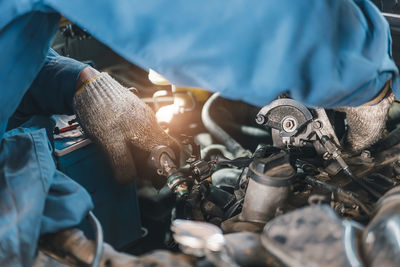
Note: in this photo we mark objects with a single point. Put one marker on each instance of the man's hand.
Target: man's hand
(366, 123)
(118, 121)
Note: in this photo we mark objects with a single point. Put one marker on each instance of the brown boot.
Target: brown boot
(71, 247)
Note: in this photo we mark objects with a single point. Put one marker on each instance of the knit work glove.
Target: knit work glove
(118, 121)
(366, 123)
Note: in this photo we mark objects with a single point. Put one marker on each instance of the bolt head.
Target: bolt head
(317, 125)
(260, 119)
(289, 124)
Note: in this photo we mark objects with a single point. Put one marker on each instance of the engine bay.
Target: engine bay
(260, 186)
(249, 170)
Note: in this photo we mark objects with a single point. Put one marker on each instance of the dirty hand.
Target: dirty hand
(118, 121)
(366, 123)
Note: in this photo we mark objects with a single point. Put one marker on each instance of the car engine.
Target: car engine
(263, 186)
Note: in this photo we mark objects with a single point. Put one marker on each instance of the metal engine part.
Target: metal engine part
(268, 187)
(313, 236)
(381, 238)
(307, 204)
(203, 239)
(294, 124)
(288, 119)
(278, 191)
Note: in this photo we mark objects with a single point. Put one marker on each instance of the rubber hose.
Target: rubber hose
(215, 130)
(248, 130)
(388, 142)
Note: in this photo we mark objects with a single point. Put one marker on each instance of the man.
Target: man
(324, 53)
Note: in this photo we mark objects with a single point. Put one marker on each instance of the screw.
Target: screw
(317, 124)
(260, 119)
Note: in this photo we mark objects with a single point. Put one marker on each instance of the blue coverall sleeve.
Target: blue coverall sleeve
(324, 52)
(53, 89)
(35, 198)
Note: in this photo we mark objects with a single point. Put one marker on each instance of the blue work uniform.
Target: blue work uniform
(36, 198)
(323, 52)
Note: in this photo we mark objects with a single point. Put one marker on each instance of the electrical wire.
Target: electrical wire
(98, 238)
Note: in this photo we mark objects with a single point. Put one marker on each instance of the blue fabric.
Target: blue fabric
(35, 198)
(54, 87)
(25, 42)
(3, 126)
(324, 52)
(52, 91)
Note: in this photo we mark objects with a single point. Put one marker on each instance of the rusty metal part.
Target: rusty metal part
(268, 187)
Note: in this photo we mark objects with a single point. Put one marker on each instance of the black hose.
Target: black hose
(232, 145)
(240, 162)
(99, 239)
(388, 142)
(362, 183)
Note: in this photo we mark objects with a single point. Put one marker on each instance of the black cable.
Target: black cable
(362, 183)
(337, 190)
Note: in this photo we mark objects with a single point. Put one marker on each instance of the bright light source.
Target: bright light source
(166, 113)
